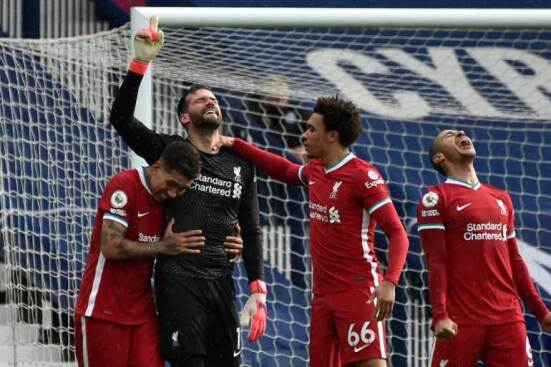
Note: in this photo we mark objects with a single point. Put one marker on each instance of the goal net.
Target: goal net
(57, 152)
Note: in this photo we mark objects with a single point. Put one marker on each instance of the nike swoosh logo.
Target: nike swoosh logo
(142, 214)
(236, 353)
(311, 182)
(359, 349)
(460, 208)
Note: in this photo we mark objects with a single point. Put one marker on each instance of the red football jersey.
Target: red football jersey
(120, 291)
(477, 220)
(342, 199)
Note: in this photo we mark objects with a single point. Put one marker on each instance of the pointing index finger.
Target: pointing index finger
(154, 23)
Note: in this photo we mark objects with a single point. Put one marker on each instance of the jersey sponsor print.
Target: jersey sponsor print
(477, 220)
(341, 227)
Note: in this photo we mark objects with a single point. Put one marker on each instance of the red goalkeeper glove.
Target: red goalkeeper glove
(147, 44)
(254, 312)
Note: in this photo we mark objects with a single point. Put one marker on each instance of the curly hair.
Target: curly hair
(341, 116)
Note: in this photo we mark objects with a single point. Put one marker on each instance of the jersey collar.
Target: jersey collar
(344, 160)
(457, 181)
(144, 180)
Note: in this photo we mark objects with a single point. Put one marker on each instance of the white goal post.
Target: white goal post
(412, 72)
(341, 17)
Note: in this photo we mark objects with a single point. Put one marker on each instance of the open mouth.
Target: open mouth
(209, 111)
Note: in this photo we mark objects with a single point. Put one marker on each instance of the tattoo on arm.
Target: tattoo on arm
(111, 232)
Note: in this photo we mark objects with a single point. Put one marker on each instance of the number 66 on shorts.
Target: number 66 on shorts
(342, 325)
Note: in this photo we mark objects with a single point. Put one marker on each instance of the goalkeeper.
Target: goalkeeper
(195, 295)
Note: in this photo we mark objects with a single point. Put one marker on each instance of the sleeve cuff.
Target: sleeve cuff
(541, 312)
(437, 318)
(258, 286)
(138, 66)
(393, 279)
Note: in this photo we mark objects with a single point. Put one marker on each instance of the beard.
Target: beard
(207, 123)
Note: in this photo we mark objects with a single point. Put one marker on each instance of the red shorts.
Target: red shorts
(101, 343)
(496, 345)
(342, 330)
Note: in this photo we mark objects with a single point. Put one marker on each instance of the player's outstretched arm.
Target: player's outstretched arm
(274, 165)
(115, 247)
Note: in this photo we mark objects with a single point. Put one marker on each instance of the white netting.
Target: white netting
(58, 151)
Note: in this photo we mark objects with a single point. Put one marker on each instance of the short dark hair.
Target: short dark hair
(341, 116)
(183, 158)
(434, 149)
(182, 105)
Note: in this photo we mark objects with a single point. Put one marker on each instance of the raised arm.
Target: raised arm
(145, 142)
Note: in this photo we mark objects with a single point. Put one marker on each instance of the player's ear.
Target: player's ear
(438, 158)
(333, 136)
(156, 165)
(184, 119)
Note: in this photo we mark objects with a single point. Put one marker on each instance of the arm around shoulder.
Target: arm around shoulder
(114, 246)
